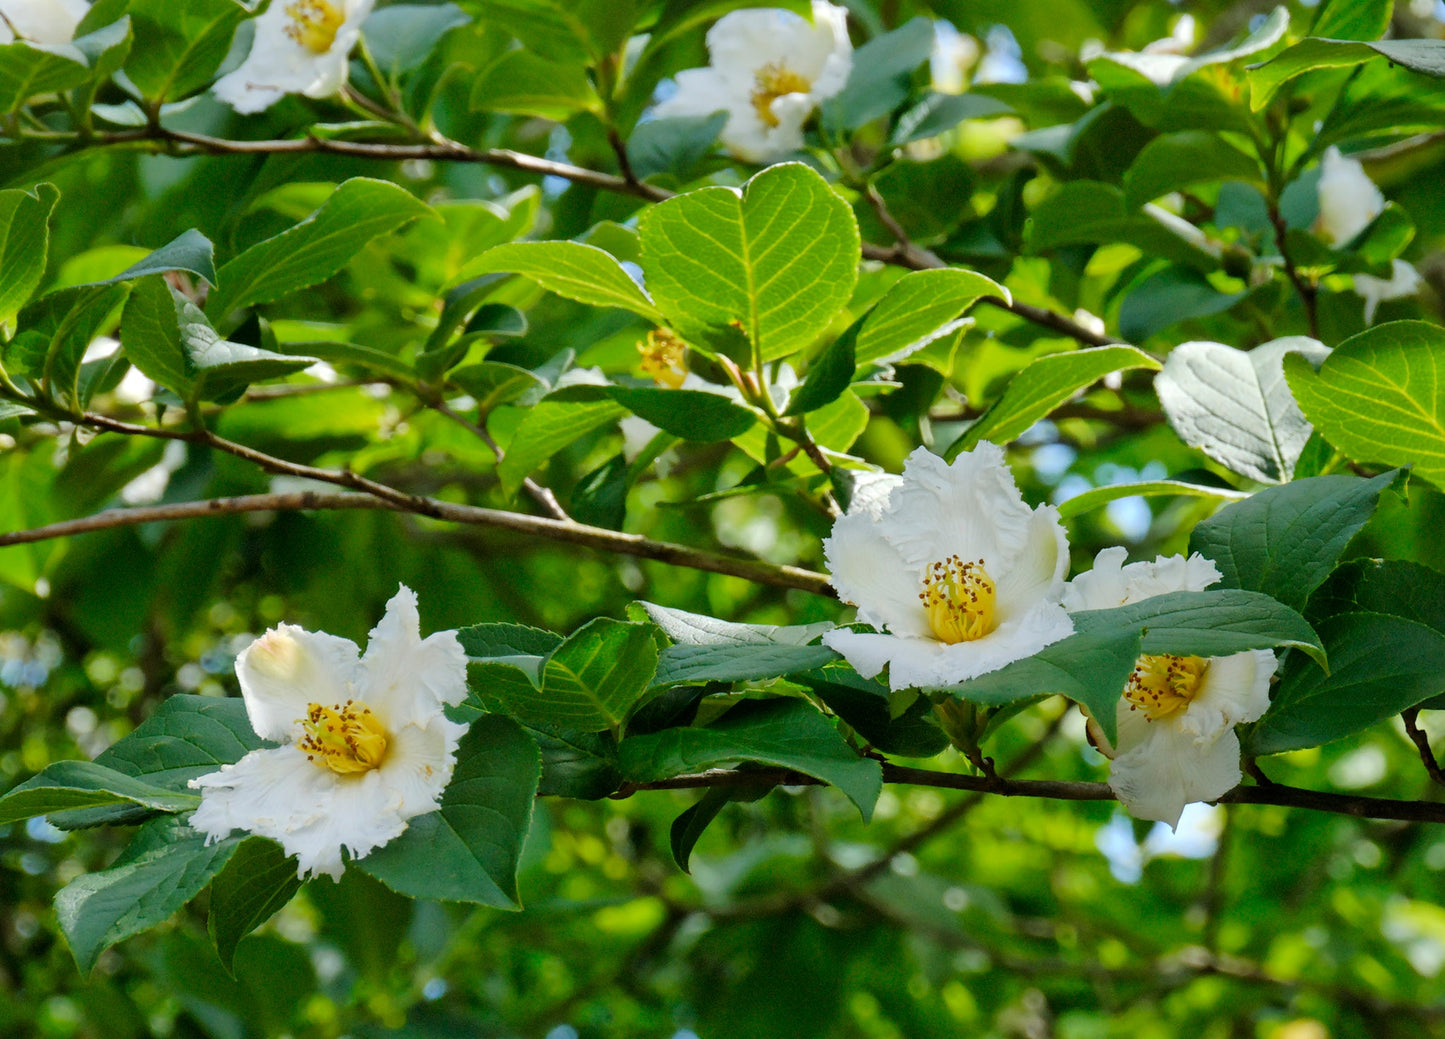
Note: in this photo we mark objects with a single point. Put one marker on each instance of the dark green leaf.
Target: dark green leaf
(179, 44)
(24, 241)
(257, 881)
(68, 785)
(1423, 56)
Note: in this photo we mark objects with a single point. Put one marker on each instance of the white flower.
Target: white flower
(954, 54)
(364, 744)
(961, 573)
(769, 69)
(40, 21)
(1177, 715)
(1404, 280)
(1348, 197)
(301, 47)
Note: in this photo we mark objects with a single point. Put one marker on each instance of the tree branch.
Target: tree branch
(1421, 740)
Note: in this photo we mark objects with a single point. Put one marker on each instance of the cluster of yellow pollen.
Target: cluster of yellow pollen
(1162, 686)
(346, 738)
(314, 24)
(662, 358)
(771, 82)
(959, 599)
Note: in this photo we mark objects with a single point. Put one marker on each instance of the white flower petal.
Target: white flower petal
(287, 669)
(50, 22)
(279, 65)
(362, 814)
(419, 762)
(1234, 689)
(409, 678)
(268, 792)
(868, 572)
(1157, 777)
(1111, 584)
(1037, 573)
(1348, 197)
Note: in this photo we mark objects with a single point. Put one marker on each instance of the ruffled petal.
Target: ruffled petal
(407, 678)
(1156, 777)
(1037, 572)
(1110, 583)
(288, 668)
(419, 763)
(268, 792)
(1102, 588)
(1234, 689)
(362, 814)
(868, 572)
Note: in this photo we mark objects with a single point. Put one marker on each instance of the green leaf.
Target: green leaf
(829, 375)
(1380, 396)
(1092, 499)
(579, 272)
(595, 678)
(254, 884)
(402, 37)
(867, 707)
(67, 785)
(468, 851)
(1167, 297)
(69, 319)
(674, 144)
(782, 733)
(920, 307)
(24, 241)
(1390, 586)
(1379, 666)
(1284, 541)
(191, 251)
(492, 383)
(554, 29)
(1041, 387)
(1353, 19)
(28, 70)
(878, 82)
(677, 665)
(778, 259)
(166, 865)
(1085, 212)
(1176, 161)
(689, 414)
(151, 336)
(1426, 57)
(600, 498)
(576, 764)
(360, 209)
(179, 44)
(1235, 406)
(524, 84)
(500, 641)
(938, 113)
(689, 826)
(548, 428)
(696, 629)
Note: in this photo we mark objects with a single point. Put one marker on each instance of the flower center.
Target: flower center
(771, 82)
(662, 358)
(314, 24)
(346, 738)
(959, 600)
(1163, 686)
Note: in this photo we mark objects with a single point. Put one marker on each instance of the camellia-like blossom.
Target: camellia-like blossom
(301, 47)
(769, 69)
(364, 745)
(1348, 198)
(48, 22)
(1177, 715)
(958, 572)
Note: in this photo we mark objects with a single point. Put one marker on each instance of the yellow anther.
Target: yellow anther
(1162, 686)
(314, 24)
(959, 600)
(771, 82)
(346, 738)
(663, 359)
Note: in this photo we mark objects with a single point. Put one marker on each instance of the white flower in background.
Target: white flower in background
(1404, 281)
(961, 575)
(301, 47)
(1348, 198)
(769, 69)
(40, 21)
(954, 54)
(364, 744)
(1177, 715)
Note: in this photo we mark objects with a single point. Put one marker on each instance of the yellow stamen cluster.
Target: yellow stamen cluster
(959, 599)
(314, 24)
(1162, 686)
(663, 359)
(346, 738)
(771, 82)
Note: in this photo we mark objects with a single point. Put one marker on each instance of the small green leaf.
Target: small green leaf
(500, 641)
(1086, 212)
(1041, 387)
(920, 307)
(24, 241)
(29, 70)
(579, 272)
(151, 335)
(689, 826)
(191, 251)
(696, 629)
(254, 884)
(1176, 161)
(166, 865)
(548, 428)
(1379, 666)
(674, 144)
(677, 665)
(783, 733)
(1380, 396)
(179, 44)
(524, 84)
(1284, 541)
(68, 785)
(358, 211)
(829, 375)
(468, 850)
(867, 707)
(1235, 406)
(778, 259)
(576, 764)
(937, 113)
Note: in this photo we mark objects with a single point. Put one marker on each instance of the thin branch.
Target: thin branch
(1421, 740)
(543, 496)
(1306, 290)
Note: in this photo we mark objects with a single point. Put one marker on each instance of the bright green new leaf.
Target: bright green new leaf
(1284, 541)
(257, 881)
(24, 239)
(1380, 396)
(358, 211)
(594, 679)
(1352, 19)
(580, 272)
(1085, 212)
(1424, 56)
(920, 307)
(1235, 406)
(468, 851)
(28, 71)
(776, 259)
(1041, 387)
(783, 733)
(548, 428)
(524, 84)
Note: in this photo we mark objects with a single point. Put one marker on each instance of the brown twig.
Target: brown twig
(543, 496)
(1305, 290)
(1421, 739)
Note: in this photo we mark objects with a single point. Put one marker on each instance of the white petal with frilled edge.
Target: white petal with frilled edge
(1111, 583)
(1234, 689)
(41, 21)
(278, 64)
(408, 678)
(1165, 768)
(287, 669)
